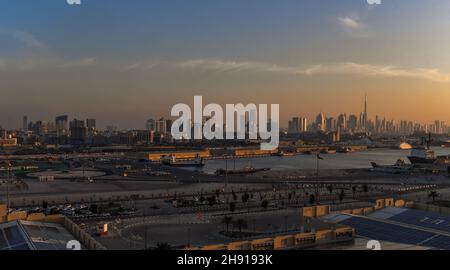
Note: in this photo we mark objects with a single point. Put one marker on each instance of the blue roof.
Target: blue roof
(381, 231)
(407, 226)
(423, 219)
(12, 237)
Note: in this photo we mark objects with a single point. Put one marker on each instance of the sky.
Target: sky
(123, 62)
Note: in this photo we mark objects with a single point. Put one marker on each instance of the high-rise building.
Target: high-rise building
(61, 123)
(25, 123)
(294, 126)
(342, 122)
(41, 128)
(364, 116)
(91, 124)
(320, 122)
(169, 126)
(303, 125)
(161, 126)
(352, 122)
(77, 131)
(150, 125)
(330, 124)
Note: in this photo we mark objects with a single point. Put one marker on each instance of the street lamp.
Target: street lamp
(9, 164)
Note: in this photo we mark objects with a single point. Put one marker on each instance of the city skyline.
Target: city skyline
(363, 119)
(128, 62)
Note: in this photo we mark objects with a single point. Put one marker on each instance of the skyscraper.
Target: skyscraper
(61, 123)
(303, 125)
(364, 117)
(150, 125)
(352, 122)
(25, 123)
(77, 131)
(342, 122)
(320, 121)
(294, 126)
(91, 124)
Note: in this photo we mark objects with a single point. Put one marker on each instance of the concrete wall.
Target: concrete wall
(18, 215)
(254, 152)
(389, 202)
(309, 211)
(85, 239)
(379, 204)
(316, 211)
(290, 241)
(431, 208)
(36, 217)
(242, 245)
(3, 213)
(179, 155)
(400, 203)
(322, 210)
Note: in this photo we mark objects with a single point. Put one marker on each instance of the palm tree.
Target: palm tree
(241, 224)
(341, 195)
(354, 188)
(265, 204)
(312, 199)
(227, 220)
(232, 206)
(163, 246)
(330, 189)
(433, 195)
(365, 188)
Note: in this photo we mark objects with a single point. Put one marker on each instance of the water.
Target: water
(355, 160)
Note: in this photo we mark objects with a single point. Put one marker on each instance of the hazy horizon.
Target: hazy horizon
(124, 62)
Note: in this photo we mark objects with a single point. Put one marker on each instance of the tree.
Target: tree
(365, 188)
(211, 200)
(55, 211)
(234, 196)
(312, 199)
(44, 204)
(232, 206)
(201, 199)
(245, 197)
(241, 224)
(433, 195)
(330, 188)
(163, 246)
(94, 208)
(227, 220)
(354, 191)
(265, 204)
(341, 195)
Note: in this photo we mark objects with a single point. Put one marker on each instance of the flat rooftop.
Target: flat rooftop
(400, 225)
(31, 235)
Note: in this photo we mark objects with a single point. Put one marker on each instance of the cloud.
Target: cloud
(85, 62)
(350, 23)
(37, 54)
(37, 63)
(342, 68)
(23, 37)
(354, 27)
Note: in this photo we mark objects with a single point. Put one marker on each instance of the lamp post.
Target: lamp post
(7, 185)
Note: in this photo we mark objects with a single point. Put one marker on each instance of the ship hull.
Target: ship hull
(419, 160)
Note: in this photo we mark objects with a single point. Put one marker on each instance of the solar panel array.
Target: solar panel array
(11, 238)
(378, 230)
(439, 242)
(423, 219)
(382, 231)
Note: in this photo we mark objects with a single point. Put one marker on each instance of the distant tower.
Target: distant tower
(25, 123)
(320, 121)
(365, 119)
